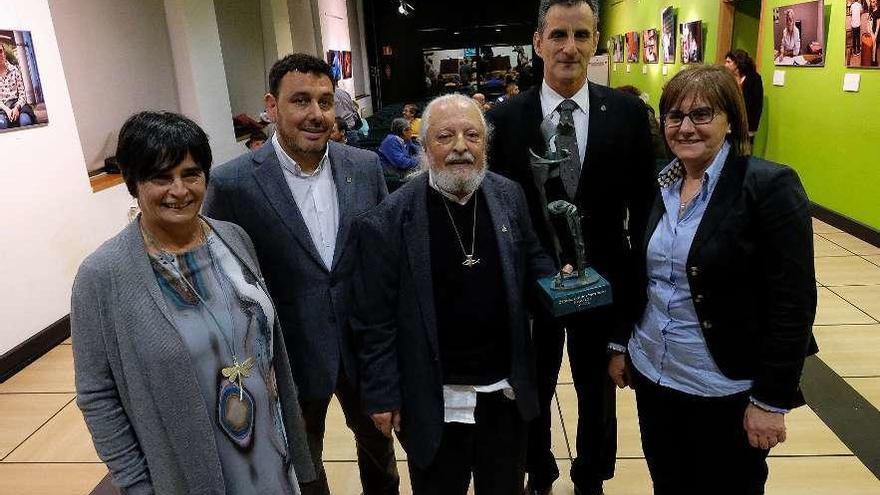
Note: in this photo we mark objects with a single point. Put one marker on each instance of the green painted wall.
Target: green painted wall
(827, 135)
(621, 16)
(745, 26)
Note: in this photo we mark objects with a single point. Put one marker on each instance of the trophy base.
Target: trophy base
(577, 296)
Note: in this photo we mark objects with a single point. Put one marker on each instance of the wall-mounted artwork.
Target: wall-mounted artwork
(667, 28)
(21, 92)
(692, 42)
(616, 48)
(340, 64)
(649, 42)
(632, 46)
(862, 33)
(799, 34)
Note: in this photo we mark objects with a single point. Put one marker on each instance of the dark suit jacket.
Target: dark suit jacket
(394, 318)
(313, 302)
(616, 182)
(752, 280)
(753, 94)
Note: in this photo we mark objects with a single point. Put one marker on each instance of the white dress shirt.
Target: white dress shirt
(315, 196)
(550, 99)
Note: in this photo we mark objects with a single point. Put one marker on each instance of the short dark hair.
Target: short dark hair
(298, 62)
(399, 125)
(545, 6)
(150, 143)
(743, 61)
(630, 90)
(256, 136)
(715, 85)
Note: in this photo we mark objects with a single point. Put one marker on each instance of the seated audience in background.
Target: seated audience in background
(398, 151)
(182, 375)
(347, 110)
(338, 133)
(729, 299)
(657, 142)
(255, 140)
(480, 98)
(510, 90)
(410, 110)
(14, 109)
(455, 243)
(743, 68)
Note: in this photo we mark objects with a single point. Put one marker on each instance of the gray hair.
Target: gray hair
(451, 98)
(399, 125)
(547, 4)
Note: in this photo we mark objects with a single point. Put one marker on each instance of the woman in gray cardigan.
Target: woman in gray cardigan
(181, 372)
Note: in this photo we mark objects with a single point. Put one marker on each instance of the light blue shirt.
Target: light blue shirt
(668, 345)
(315, 196)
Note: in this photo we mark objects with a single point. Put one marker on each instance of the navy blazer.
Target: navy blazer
(614, 191)
(313, 302)
(752, 278)
(394, 318)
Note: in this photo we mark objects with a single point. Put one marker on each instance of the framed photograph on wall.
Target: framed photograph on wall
(334, 58)
(346, 64)
(862, 33)
(650, 44)
(692, 42)
(799, 34)
(616, 47)
(667, 36)
(632, 46)
(21, 93)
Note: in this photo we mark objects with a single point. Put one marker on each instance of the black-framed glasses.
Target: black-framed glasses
(698, 116)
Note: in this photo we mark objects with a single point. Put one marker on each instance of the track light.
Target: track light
(405, 8)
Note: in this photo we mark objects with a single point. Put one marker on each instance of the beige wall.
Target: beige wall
(241, 38)
(117, 61)
(49, 217)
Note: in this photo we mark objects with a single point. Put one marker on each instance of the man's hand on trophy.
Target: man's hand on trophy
(567, 269)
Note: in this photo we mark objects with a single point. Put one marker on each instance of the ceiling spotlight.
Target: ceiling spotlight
(405, 8)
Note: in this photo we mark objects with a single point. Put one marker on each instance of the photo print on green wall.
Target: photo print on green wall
(862, 33)
(632, 46)
(650, 42)
(692, 42)
(799, 34)
(21, 93)
(667, 27)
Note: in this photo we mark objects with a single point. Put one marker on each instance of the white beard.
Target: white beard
(457, 182)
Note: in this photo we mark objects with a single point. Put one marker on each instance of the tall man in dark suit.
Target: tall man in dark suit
(608, 177)
(440, 292)
(296, 198)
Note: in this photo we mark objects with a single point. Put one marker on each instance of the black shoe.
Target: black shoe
(544, 490)
(592, 490)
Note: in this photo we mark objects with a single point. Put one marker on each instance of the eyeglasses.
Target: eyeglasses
(698, 116)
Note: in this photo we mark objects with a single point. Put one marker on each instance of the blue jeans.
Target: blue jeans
(23, 120)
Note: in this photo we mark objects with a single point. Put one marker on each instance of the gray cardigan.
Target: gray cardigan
(135, 382)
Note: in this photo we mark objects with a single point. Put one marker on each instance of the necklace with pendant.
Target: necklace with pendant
(469, 259)
(236, 417)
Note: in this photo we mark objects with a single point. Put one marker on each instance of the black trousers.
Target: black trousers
(697, 445)
(493, 450)
(856, 40)
(596, 441)
(375, 451)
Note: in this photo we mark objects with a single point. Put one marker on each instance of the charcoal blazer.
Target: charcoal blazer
(752, 279)
(395, 321)
(614, 191)
(313, 302)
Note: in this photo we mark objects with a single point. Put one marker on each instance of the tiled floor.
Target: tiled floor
(45, 447)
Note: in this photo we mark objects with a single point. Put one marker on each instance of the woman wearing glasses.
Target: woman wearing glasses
(716, 357)
(181, 374)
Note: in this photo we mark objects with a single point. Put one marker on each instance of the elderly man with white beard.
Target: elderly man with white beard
(446, 265)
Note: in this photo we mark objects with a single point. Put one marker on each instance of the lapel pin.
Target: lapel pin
(348, 179)
(602, 108)
(504, 228)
